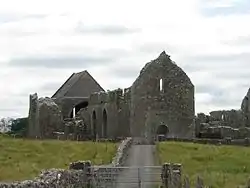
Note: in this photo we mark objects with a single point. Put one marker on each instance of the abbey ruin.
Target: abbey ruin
(162, 95)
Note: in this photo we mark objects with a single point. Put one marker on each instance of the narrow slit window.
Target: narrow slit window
(161, 84)
(74, 113)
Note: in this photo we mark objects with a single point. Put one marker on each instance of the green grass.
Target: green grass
(219, 166)
(24, 159)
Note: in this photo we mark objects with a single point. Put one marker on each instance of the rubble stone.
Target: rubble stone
(44, 117)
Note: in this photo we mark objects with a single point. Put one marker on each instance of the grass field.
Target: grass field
(219, 166)
(22, 159)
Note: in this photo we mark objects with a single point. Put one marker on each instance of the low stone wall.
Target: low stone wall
(122, 152)
(78, 175)
(104, 175)
(54, 178)
(226, 141)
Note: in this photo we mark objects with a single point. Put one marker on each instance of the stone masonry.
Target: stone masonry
(225, 123)
(44, 117)
(162, 94)
(173, 104)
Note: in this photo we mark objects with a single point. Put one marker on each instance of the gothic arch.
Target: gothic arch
(162, 130)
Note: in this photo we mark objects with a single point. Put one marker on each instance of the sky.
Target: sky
(42, 42)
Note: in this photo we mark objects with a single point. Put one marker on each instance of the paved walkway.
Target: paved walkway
(139, 156)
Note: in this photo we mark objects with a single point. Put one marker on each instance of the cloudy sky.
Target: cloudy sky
(42, 42)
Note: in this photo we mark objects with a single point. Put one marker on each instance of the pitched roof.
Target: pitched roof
(62, 91)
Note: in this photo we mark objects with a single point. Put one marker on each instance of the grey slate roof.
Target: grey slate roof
(64, 89)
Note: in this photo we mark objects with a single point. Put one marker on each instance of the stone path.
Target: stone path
(139, 156)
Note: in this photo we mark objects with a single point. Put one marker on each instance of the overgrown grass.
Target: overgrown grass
(24, 159)
(219, 166)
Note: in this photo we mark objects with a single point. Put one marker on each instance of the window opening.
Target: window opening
(161, 84)
(74, 112)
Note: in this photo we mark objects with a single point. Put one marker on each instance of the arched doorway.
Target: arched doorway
(77, 108)
(104, 124)
(94, 124)
(162, 132)
(162, 129)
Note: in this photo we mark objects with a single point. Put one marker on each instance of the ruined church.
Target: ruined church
(161, 95)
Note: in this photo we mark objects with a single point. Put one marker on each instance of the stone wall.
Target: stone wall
(225, 123)
(109, 114)
(174, 104)
(55, 178)
(225, 141)
(74, 129)
(134, 110)
(106, 116)
(45, 117)
(122, 151)
(67, 104)
(232, 118)
(245, 108)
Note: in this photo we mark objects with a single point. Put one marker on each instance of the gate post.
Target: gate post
(176, 172)
(165, 175)
(88, 172)
(139, 178)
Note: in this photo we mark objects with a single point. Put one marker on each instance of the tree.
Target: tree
(5, 125)
(19, 126)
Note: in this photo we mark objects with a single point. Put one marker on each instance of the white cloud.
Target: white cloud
(221, 3)
(209, 49)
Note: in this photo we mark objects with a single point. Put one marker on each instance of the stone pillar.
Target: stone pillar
(165, 175)
(176, 175)
(33, 116)
(171, 175)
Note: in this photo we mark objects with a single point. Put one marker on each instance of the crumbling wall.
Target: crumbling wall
(84, 115)
(176, 97)
(245, 109)
(67, 104)
(75, 129)
(116, 106)
(216, 126)
(33, 128)
(44, 117)
(225, 123)
(124, 113)
(232, 118)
